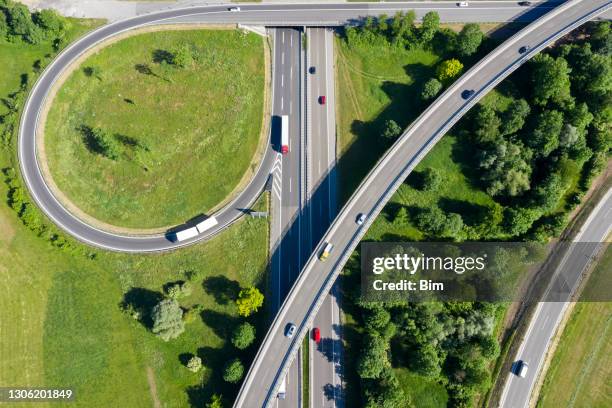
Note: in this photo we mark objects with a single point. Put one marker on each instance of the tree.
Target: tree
(376, 318)
(392, 130)
(429, 27)
(431, 179)
(401, 217)
(194, 364)
(550, 80)
(215, 401)
(167, 318)
(569, 136)
(506, 169)
(431, 88)
(548, 193)
(518, 220)
(382, 24)
(486, 124)
(449, 69)
(591, 72)
(233, 371)
(4, 28)
(182, 56)
(103, 143)
(21, 24)
(489, 347)
(373, 357)
(179, 290)
(51, 22)
(385, 392)
(469, 39)
(544, 137)
(249, 301)
(433, 221)
(427, 360)
(243, 335)
(514, 117)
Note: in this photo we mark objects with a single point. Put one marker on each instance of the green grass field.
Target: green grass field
(374, 84)
(581, 368)
(190, 134)
(63, 326)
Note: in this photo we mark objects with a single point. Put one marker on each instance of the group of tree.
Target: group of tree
(401, 30)
(18, 24)
(561, 120)
(449, 342)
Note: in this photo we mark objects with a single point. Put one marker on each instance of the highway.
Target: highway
(518, 391)
(325, 357)
(287, 197)
(257, 14)
(317, 278)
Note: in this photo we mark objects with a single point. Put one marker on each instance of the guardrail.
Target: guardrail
(387, 157)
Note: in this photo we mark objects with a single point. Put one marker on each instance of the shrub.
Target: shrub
(449, 69)
(233, 371)
(243, 335)
(249, 301)
(194, 364)
(431, 88)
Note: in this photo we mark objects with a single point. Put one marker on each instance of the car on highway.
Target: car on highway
(326, 251)
(361, 219)
(521, 369)
(467, 94)
(312, 70)
(316, 335)
(322, 99)
(524, 49)
(290, 330)
(463, 4)
(524, 3)
(234, 9)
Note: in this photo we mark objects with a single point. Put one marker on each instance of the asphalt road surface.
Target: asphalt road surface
(259, 14)
(546, 318)
(287, 196)
(317, 278)
(326, 356)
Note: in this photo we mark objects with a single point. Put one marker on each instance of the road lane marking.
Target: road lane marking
(282, 80)
(283, 33)
(282, 102)
(283, 58)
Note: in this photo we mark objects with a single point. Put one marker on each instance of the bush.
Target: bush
(431, 88)
(243, 335)
(392, 130)
(215, 401)
(448, 70)
(431, 179)
(233, 371)
(194, 364)
(179, 290)
(249, 301)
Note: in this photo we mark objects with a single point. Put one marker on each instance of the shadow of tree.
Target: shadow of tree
(224, 290)
(161, 56)
(221, 323)
(142, 300)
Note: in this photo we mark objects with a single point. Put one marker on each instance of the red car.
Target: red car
(316, 335)
(322, 99)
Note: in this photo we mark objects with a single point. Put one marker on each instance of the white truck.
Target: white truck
(186, 234)
(282, 390)
(206, 224)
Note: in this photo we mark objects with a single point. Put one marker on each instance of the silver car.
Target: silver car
(361, 218)
(290, 331)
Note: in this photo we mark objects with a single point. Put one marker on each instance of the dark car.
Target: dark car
(467, 94)
(524, 49)
(322, 99)
(312, 70)
(524, 3)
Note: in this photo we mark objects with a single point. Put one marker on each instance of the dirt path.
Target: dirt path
(153, 387)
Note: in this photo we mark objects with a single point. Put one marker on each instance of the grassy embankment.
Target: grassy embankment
(60, 318)
(581, 368)
(189, 134)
